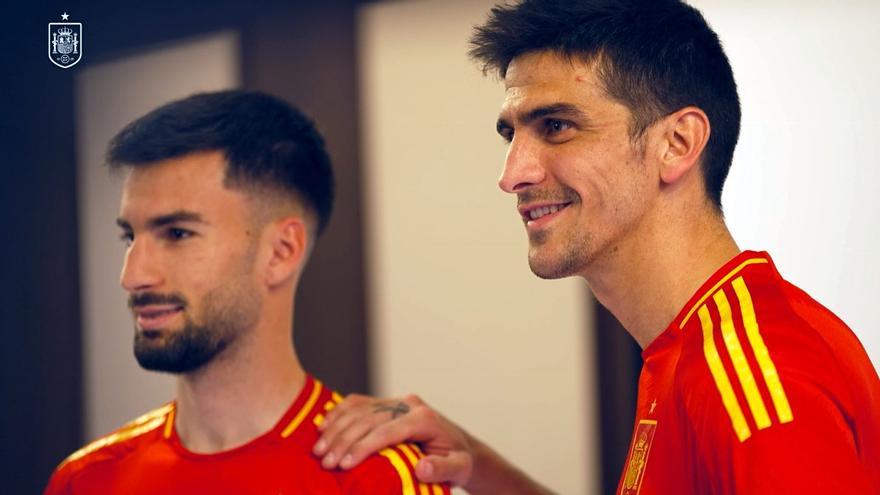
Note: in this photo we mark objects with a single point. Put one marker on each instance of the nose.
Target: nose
(140, 270)
(522, 167)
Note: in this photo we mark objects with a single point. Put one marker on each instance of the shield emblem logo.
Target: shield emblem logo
(65, 43)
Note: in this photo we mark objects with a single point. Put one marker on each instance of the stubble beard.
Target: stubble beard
(572, 260)
(228, 312)
(575, 245)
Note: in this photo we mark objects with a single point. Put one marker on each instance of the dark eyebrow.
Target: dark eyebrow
(559, 109)
(160, 221)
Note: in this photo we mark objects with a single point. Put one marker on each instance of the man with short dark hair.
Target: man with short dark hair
(224, 198)
(621, 119)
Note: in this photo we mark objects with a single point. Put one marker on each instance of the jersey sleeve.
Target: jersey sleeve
(768, 404)
(391, 471)
(769, 409)
(59, 483)
(816, 450)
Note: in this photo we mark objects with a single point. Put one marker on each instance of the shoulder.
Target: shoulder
(389, 471)
(758, 354)
(753, 316)
(108, 448)
(753, 342)
(392, 471)
(770, 381)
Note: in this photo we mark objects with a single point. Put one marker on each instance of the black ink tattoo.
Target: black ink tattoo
(396, 410)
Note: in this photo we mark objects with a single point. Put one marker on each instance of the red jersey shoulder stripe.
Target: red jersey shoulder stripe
(413, 454)
(143, 424)
(329, 404)
(762, 354)
(743, 355)
(404, 457)
(312, 399)
(721, 281)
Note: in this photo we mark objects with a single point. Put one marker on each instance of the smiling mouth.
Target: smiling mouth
(154, 317)
(532, 214)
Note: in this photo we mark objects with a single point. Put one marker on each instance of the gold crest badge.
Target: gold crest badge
(637, 460)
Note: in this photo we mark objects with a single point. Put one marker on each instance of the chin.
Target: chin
(551, 264)
(549, 269)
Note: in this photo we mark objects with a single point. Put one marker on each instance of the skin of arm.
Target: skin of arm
(362, 425)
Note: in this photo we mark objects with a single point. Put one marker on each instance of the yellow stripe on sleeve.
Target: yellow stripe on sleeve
(169, 423)
(720, 376)
(406, 480)
(121, 436)
(150, 416)
(301, 415)
(724, 279)
(740, 363)
(410, 452)
(436, 488)
(765, 362)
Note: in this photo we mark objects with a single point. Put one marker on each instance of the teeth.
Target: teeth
(544, 210)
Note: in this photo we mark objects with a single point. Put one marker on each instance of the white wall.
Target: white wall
(457, 315)
(805, 179)
(108, 97)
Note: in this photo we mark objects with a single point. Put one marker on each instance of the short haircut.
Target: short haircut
(653, 56)
(267, 144)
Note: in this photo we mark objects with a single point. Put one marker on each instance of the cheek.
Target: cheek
(611, 184)
(592, 179)
(199, 272)
(633, 193)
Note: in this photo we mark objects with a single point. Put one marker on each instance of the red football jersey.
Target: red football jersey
(755, 388)
(146, 457)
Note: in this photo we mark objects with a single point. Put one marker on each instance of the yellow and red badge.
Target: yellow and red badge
(637, 459)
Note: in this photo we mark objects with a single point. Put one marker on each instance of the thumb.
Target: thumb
(455, 468)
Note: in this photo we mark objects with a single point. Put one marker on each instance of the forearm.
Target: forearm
(492, 474)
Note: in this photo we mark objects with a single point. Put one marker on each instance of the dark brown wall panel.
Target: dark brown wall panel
(305, 53)
(618, 364)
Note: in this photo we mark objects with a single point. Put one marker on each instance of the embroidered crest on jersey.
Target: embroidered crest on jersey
(637, 460)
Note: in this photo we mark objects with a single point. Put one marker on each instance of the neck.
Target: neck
(649, 279)
(243, 392)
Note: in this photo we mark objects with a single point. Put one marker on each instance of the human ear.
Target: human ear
(685, 136)
(289, 238)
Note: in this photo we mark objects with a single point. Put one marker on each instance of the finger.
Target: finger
(351, 402)
(404, 428)
(455, 468)
(339, 445)
(360, 418)
(365, 418)
(351, 413)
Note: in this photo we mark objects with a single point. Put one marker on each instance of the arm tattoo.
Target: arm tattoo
(396, 410)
